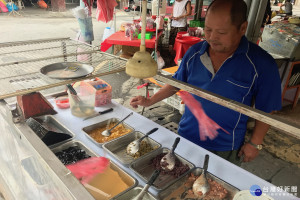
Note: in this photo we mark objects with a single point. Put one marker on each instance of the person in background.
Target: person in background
(288, 7)
(181, 10)
(170, 2)
(226, 64)
(268, 15)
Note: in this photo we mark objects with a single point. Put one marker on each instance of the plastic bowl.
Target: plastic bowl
(62, 102)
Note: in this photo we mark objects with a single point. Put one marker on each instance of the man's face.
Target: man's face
(220, 33)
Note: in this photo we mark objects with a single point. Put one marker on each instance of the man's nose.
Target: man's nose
(213, 35)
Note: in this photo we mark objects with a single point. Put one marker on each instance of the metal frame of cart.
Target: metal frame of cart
(20, 75)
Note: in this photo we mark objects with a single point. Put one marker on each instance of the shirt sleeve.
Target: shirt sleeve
(182, 73)
(268, 95)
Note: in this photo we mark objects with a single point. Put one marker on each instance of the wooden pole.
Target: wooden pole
(143, 33)
(278, 123)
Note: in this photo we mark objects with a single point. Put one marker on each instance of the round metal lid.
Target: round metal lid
(67, 70)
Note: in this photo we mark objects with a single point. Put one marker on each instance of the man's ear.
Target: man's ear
(243, 27)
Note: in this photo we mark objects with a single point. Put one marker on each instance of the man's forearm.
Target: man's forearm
(259, 132)
(165, 92)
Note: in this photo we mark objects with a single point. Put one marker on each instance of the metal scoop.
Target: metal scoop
(134, 146)
(201, 185)
(168, 161)
(108, 132)
(148, 184)
(38, 128)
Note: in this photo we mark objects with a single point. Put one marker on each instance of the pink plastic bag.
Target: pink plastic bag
(88, 4)
(3, 8)
(105, 10)
(86, 169)
(207, 127)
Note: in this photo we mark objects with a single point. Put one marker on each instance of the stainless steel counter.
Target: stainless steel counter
(221, 168)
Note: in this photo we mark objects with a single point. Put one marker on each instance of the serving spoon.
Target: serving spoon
(134, 146)
(168, 161)
(201, 185)
(148, 184)
(107, 133)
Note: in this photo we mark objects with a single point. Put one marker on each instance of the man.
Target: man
(181, 10)
(229, 65)
(288, 7)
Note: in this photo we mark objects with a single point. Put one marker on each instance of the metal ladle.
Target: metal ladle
(201, 185)
(148, 184)
(108, 132)
(134, 146)
(168, 161)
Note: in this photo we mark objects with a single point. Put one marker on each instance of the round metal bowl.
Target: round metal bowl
(67, 70)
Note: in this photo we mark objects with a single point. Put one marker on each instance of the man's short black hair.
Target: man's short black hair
(238, 10)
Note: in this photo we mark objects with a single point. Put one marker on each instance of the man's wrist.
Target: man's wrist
(257, 146)
(149, 102)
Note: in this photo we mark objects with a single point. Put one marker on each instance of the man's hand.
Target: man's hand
(165, 92)
(139, 101)
(249, 152)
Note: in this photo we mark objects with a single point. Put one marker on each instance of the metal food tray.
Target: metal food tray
(51, 124)
(73, 143)
(127, 178)
(103, 124)
(117, 148)
(133, 193)
(143, 168)
(198, 171)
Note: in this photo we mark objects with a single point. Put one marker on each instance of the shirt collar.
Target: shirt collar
(204, 47)
(242, 48)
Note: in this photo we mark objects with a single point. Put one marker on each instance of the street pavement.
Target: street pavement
(278, 162)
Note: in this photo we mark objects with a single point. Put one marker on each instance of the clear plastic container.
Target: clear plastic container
(84, 104)
(103, 91)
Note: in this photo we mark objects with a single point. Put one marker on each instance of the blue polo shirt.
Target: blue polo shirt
(250, 73)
